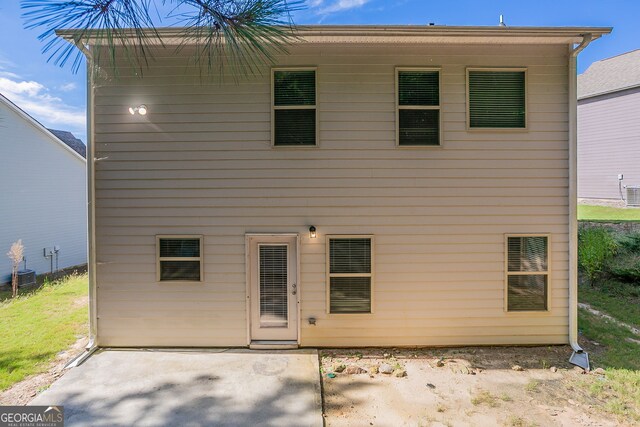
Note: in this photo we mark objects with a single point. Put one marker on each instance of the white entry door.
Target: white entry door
(273, 288)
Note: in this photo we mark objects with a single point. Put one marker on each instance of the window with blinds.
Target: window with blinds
(497, 98)
(294, 107)
(418, 107)
(349, 271)
(179, 258)
(527, 273)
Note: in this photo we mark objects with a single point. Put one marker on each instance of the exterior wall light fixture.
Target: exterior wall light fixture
(312, 232)
(140, 109)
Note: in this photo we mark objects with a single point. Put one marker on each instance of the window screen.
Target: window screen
(527, 273)
(294, 107)
(350, 275)
(179, 258)
(418, 107)
(497, 99)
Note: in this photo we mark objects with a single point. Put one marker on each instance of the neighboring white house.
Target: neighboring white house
(609, 128)
(378, 186)
(43, 194)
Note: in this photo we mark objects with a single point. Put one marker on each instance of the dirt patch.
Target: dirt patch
(472, 386)
(81, 301)
(23, 392)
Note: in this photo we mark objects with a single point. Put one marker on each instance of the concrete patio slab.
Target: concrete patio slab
(232, 387)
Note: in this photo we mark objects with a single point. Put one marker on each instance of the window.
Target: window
(179, 258)
(294, 107)
(527, 273)
(349, 267)
(418, 112)
(496, 98)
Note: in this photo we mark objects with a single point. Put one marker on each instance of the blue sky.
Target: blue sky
(56, 97)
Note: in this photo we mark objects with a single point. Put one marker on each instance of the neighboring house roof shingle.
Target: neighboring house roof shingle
(73, 142)
(610, 75)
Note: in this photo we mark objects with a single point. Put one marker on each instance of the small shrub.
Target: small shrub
(15, 254)
(629, 242)
(618, 288)
(532, 386)
(596, 246)
(515, 421)
(483, 397)
(505, 397)
(626, 267)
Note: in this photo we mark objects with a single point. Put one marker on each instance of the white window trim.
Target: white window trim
(526, 100)
(292, 107)
(418, 107)
(179, 236)
(329, 275)
(507, 273)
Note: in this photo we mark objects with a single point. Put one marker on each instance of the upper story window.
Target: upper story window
(418, 107)
(294, 116)
(496, 98)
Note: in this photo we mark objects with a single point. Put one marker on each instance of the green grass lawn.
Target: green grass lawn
(606, 213)
(38, 325)
(619, 389)
(624, 305)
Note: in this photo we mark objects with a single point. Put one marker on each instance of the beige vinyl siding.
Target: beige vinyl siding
(201, 162)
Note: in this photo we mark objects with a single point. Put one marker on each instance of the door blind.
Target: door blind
(273, 286)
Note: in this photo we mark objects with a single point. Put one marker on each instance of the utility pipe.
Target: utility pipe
(91, 250)
(573, 194)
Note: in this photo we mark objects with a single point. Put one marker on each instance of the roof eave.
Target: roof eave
(394, 34)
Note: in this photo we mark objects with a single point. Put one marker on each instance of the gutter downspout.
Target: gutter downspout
(579, 356)
(92, 345)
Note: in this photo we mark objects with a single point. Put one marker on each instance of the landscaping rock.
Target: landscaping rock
(598, 371)
(354, 370)
(385, 368)
(400, 373)
(579, 370)
(517, 368)
(339, 368)
(553, 369)
(373, 369)
(440, 363)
